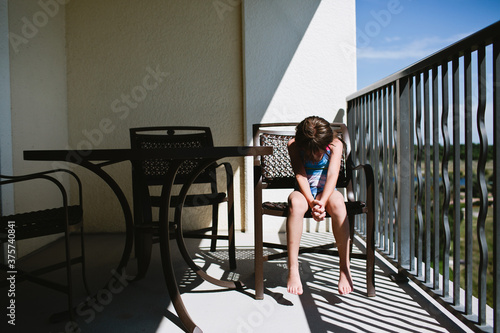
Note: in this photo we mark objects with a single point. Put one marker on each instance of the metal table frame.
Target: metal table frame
(95, 160)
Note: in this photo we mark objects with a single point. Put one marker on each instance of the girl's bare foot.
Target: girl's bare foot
(345, 282)
(294, 285)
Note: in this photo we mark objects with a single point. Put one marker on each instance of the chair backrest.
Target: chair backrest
(276, 169)
(153, 171)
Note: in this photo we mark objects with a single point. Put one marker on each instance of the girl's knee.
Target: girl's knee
(297, 204)
(336, 201)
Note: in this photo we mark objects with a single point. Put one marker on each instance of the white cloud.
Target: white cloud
(392, 39)
(415, 50)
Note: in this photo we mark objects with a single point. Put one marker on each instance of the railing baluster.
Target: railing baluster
(420, 191)
(483, 191)
(456, 182)
(376, 165)
(390, 172)
(446, 180)
(380, 159)
(394, 199)
(496, 183)
(353, 122)
(412, 173)
(468, 181)
(404, 161)
(369, 139)
(365, 137)
(435, 173)
(362, 158)
(427, 150)
(385, 162)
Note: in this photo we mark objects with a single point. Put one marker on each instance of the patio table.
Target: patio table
(95, 160)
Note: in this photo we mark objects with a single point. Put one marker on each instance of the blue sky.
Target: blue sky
(393, 34)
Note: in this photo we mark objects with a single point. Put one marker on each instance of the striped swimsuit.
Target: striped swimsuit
(317, 172)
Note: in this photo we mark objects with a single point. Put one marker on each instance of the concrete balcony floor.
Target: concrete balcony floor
(144, 306)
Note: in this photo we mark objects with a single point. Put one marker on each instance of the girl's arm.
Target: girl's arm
(336, 148)
(300, 171)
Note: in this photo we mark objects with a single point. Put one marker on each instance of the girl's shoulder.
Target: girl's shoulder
(336, 144)
(292, 147)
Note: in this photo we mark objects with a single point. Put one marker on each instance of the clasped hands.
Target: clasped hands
(318, 210)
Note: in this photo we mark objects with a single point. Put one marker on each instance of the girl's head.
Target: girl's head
(313, 135)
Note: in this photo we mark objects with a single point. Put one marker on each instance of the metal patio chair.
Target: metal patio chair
(150, 173)
(275, 172)
(62, 220)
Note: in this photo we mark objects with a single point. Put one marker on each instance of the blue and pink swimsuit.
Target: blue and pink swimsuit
(317, 173)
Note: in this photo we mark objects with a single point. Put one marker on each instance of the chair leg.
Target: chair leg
(351, 232)
(215, 227)
(370, 255)
(84, 271)
(231, 235)
(69, 276)
(370, 232)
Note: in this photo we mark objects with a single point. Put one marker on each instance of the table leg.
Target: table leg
(143, 246)
(129, 224)
(166, 258)
(259, 259)
(180, 236)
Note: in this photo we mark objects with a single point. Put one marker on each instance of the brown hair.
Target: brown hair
(313, 135)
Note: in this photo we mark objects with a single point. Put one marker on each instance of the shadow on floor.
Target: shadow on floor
(144, 306)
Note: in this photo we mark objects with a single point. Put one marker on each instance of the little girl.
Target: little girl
(316, 154)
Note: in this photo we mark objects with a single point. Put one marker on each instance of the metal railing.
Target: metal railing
(432, 134)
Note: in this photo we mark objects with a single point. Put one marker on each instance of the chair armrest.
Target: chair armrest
(369, 178)
(45, 175)
(229, 177)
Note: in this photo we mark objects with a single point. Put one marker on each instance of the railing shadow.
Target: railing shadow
(396, 308)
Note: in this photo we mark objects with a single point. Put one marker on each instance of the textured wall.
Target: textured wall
(145, 63)
(38, 97)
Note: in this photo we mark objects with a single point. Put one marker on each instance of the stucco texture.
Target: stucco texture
(37, 102)
(149, 63)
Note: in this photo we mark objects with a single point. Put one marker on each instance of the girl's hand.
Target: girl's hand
(318, 211)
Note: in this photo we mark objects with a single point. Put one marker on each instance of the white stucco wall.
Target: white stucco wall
(38, 97)
(113, 48)
(295, 65)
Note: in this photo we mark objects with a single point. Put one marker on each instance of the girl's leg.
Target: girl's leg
(340, 224)
(298, 206)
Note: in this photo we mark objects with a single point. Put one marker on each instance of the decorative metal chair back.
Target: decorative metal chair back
(277, 171)
(154, 170)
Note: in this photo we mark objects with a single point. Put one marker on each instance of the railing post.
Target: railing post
(405, 178)
(496, 183)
